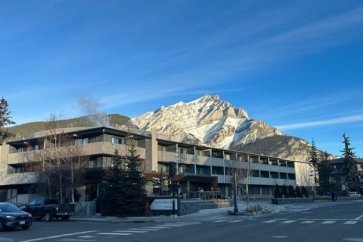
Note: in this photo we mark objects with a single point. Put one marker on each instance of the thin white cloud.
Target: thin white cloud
(310, 103)
(315, 36)
(327, 122)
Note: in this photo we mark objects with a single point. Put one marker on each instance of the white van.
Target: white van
(354, 194)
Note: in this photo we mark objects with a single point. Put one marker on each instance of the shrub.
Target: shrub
(304, 191)
(298, 192)
(291, 191)
(277, 192)
(254, 208)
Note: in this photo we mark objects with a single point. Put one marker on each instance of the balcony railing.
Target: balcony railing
(21, 178)
(80, 150)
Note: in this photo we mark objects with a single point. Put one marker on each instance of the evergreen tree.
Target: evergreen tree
(277, 192)
(292, 191)
(112, 186)
(5, 119)
(284, 191)
(304, 191)
(122, 191)
(298, 192)
(325, 177)
(314, 163)
(135, 195)
(350, 171)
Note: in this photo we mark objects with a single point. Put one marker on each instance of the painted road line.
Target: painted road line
(125, 234)
(59, 236)
(360, 217)
(269, 221)
(131, 231)
(280, 237)
(351, 222)
(328, 222)
(354, 239)
(76, 240)
(288, 221)
(158, 227)
(236, 221)
(307, 222)
(148, 229)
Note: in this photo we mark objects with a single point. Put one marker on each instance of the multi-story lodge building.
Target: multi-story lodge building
(198, 167)
(338, 168)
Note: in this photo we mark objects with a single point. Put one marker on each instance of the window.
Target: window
(217, 170)
(203, 170)
(283, 175)
(255, 173)
(265, 174)
(96, 162)
(266, 190)
(116, 140)
(82, 141)
(282, 163)
(274, 174)
(227, 156)
(36, 202)
(51, 201)
(291, 176)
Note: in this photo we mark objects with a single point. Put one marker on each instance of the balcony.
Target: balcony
(209, 161)
(166, 156)
(21, 178)
(186, 158)
(79, 150)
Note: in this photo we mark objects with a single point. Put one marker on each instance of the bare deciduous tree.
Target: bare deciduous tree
(63, 162)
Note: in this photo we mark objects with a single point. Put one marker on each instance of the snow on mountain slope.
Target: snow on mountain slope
(207, 120)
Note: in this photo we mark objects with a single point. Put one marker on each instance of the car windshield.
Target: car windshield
(8, 208)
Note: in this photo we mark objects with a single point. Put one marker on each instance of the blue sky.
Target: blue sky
(296, 65)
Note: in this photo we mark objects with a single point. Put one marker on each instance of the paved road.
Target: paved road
(342, 222)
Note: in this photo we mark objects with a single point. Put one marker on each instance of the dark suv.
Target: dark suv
(12, 217)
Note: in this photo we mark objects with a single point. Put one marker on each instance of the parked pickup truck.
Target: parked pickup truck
(47, 209)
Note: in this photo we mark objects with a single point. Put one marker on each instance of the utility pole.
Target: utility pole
(235, 206)
(172, 172)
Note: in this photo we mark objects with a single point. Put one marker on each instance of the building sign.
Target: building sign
(164, 204)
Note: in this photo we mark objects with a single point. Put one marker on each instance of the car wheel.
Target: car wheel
(65, 218)
(1, 226)
(26, 227)
(47, 217)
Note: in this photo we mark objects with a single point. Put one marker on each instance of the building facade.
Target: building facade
(337, 174)
(198, 168)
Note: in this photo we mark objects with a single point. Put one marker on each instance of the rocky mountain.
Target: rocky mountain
(214, 122)
(207, 120)
(288, 147)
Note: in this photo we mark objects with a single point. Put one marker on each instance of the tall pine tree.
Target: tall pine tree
(122, 187)
(314, 163)
(325, 177)
(112, 186)
(350, 171)
(5, 119)
(135, 195)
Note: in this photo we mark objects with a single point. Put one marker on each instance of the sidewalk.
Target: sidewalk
(205, 213)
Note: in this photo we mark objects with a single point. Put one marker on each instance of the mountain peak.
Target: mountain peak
(207, 120)
(207, 98)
